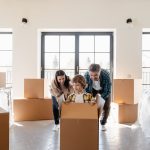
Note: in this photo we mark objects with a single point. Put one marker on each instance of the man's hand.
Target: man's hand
(93, 102)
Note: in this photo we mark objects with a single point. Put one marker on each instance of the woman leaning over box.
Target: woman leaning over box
(60, 88)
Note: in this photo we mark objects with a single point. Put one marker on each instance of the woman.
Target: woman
(60, 89)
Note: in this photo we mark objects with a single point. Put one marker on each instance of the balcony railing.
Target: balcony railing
(146, 80)
(49, 74)
(145, 77)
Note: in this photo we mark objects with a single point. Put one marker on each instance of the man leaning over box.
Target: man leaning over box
(99, 82)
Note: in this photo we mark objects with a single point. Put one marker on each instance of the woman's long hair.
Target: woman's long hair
(62, 73)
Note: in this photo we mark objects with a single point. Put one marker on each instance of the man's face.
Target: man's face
(94, 75)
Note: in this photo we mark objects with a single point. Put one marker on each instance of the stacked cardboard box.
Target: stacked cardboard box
(36, 105)
(126, 94)
(124, 113)
(2, 79)
(79, 127)
(36, 88)
(32, 109)
(4, 129)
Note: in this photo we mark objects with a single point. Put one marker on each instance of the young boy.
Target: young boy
(79, 95)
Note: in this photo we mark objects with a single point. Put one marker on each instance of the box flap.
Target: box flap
(79, 111)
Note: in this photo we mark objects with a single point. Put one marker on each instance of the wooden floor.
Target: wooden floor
(38, 135)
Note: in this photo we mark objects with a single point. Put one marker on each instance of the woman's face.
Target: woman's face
(61, 79)
(77, 87)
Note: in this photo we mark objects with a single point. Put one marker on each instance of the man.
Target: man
(99, 82)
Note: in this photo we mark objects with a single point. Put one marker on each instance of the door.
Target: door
(73, 52)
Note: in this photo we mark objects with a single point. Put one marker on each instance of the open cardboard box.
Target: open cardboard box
(79, 127)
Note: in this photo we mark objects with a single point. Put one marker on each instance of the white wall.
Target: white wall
(77, 14)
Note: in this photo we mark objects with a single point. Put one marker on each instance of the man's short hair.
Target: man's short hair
(94, 68)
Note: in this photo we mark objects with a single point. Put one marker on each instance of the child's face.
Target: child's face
(77, 87)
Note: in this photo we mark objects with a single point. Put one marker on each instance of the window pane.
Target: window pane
(85, 59)
(146, 78)
(51, 60)
(5, 41)
(146, 59)
(82, 72)
(146, 75)
(86, 43)
(5, 58)
(103, 59)
(102, 43)
(67, 43)
(8, 71)
(51, 43)
(67, 60)
(70, 73)
(49, 74)
(146, 42)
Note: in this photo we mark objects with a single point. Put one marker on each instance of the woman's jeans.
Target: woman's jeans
(55, 110)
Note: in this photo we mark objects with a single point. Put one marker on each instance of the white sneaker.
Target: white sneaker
(103, 128)
(56, 127)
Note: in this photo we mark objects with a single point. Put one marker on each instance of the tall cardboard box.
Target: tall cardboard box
(79, 127)
(33, 109)
(4, 130)
(36, 88)
(124, 113)
(2, 79)
(127, 91)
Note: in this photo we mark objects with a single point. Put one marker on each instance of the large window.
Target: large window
(6, 56)
(146, 60)
(75, 51)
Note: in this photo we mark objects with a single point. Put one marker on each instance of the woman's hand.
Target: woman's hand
(67, 102)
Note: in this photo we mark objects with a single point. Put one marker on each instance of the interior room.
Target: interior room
(40, 39)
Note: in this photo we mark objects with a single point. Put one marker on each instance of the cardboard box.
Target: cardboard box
(127, 91)
(2, 79)
(36, 88)
(4, 129)
(33, 109)
(124, 113)
(79, 127)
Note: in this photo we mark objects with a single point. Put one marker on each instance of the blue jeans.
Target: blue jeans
(55, 110)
